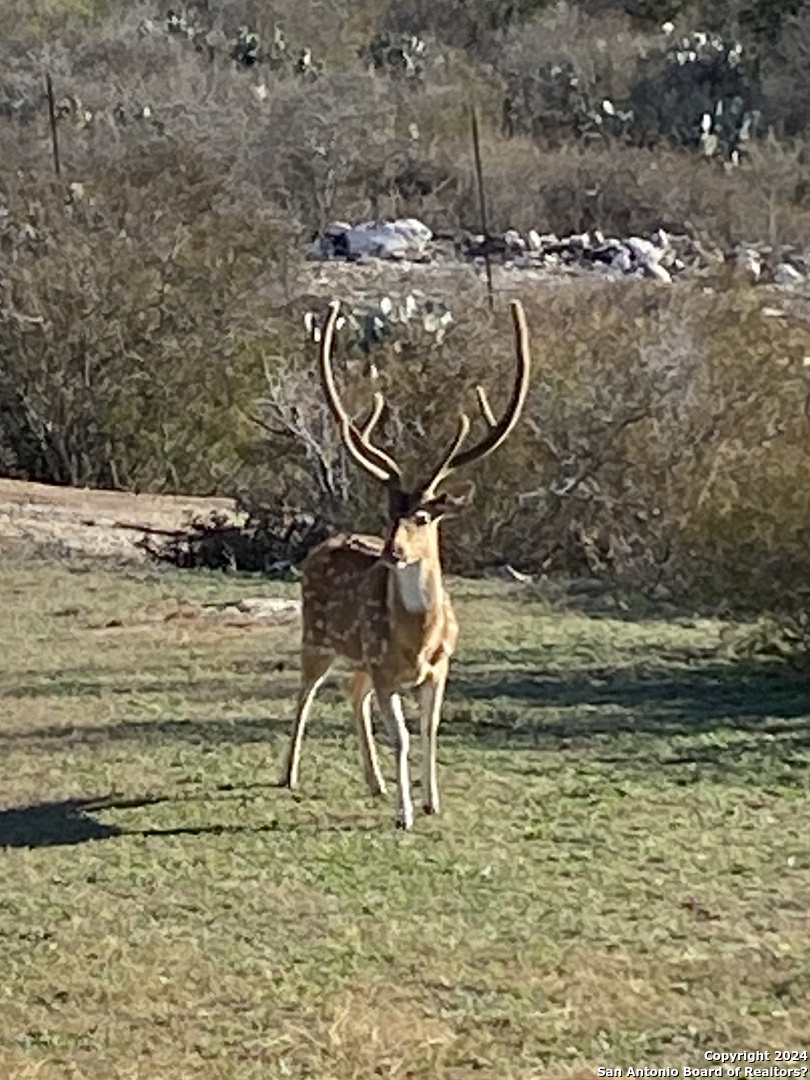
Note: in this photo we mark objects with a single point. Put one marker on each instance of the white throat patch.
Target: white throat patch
(411, 586)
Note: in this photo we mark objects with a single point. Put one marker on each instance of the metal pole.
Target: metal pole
(482, 203)
(52, 115)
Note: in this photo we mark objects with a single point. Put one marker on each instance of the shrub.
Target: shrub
(663, 441)
(699, 93)
(560, 70)
(125, 325)
(785, 89)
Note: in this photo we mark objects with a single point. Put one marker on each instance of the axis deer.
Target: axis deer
(380, 602)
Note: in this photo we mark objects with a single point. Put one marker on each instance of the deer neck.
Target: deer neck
(417, 587)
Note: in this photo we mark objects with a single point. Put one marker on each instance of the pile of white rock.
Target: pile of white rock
(783, 265)
(662, 256)
(403, 239)
(656, 258)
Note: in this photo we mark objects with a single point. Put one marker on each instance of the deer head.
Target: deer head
(414, 514)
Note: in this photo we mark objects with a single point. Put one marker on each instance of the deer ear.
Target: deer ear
(453, 500)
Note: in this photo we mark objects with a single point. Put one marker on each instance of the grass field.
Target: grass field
(620, 876)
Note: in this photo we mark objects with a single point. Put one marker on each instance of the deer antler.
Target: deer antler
(498, 430)
(356, 440)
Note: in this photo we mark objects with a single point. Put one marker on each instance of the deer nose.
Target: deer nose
(393, 553)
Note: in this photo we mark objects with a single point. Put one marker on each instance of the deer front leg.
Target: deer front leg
(391, 708)
(432, 693)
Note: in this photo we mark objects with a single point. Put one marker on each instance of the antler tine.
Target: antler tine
(371, 458)
(500, 429)
(428, 488)
(484, 406)
(376, 411)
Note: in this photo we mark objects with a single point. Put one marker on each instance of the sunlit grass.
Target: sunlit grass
(621, 873)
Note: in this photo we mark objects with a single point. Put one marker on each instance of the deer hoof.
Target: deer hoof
(429, 808)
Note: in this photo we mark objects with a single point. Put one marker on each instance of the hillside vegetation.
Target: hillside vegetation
(150, 296)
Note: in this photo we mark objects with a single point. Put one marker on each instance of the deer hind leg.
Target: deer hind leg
(314, 666)
(391, 708)
(361, 692)
(432, 694)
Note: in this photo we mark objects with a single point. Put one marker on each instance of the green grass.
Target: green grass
(620, 875)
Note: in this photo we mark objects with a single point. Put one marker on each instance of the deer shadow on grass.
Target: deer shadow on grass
(72, 821)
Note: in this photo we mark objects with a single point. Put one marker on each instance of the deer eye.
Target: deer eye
(422, 517)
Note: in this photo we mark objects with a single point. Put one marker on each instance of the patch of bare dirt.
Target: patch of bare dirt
(250, 612)
(63, 521)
